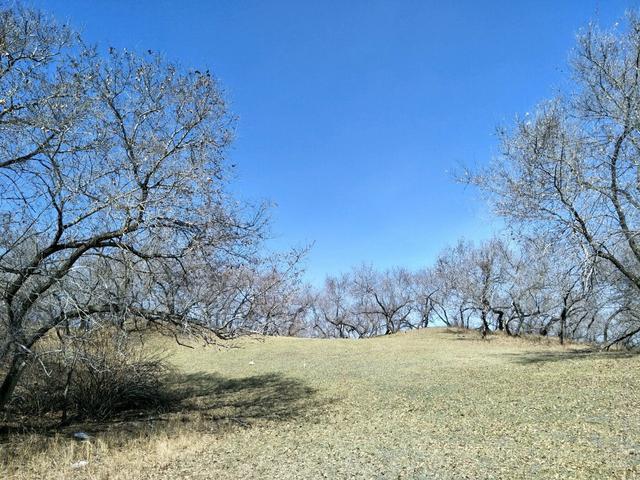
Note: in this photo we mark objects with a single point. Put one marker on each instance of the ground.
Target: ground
(431, 404)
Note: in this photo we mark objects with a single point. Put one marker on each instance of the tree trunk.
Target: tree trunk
(485, 324)
(11, 378)
(500, 319)
(65, 406)
(507, 327)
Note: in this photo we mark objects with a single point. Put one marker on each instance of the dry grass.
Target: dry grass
(428, 404)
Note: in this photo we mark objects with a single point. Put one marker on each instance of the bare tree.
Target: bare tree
(112, 183)
(572, 168)
(384, 299)
(527, 288)
(472, 281)
(431, 296)
(278, 300)
(332, 310)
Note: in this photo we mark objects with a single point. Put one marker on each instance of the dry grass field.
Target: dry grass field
(432, 404)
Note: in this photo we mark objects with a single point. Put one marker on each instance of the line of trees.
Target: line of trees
(535, 287)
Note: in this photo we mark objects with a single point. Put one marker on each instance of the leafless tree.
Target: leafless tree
(526, 289)
(112, 186)
(472, 279)
(572, 167)
(383, 299)
(332, 310)
(278, 300)
(431, 296)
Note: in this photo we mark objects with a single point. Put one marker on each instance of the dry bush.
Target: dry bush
(94, 376)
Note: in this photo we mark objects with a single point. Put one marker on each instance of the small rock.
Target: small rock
(81, 436)
(80, 464)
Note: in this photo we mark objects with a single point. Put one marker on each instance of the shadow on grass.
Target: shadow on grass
(460, 331)
(535, 358)
(203, 400)
(268, 396)
(464, 334)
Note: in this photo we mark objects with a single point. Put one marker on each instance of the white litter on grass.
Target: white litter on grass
(81, 436)
(252, 362)
(80, 464)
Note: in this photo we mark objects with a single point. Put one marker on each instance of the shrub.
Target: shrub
(94, 376)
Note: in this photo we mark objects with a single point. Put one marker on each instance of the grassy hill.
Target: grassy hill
(427, 404)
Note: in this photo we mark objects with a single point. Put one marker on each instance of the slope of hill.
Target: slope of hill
(427, 404)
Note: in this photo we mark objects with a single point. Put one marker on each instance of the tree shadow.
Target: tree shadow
(204, 400)
(457, 331)
(573, 354)
(270, 396)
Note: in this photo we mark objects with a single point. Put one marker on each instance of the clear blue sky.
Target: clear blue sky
(352, 114)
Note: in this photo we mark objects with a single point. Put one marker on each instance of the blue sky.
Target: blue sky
(353, 114)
